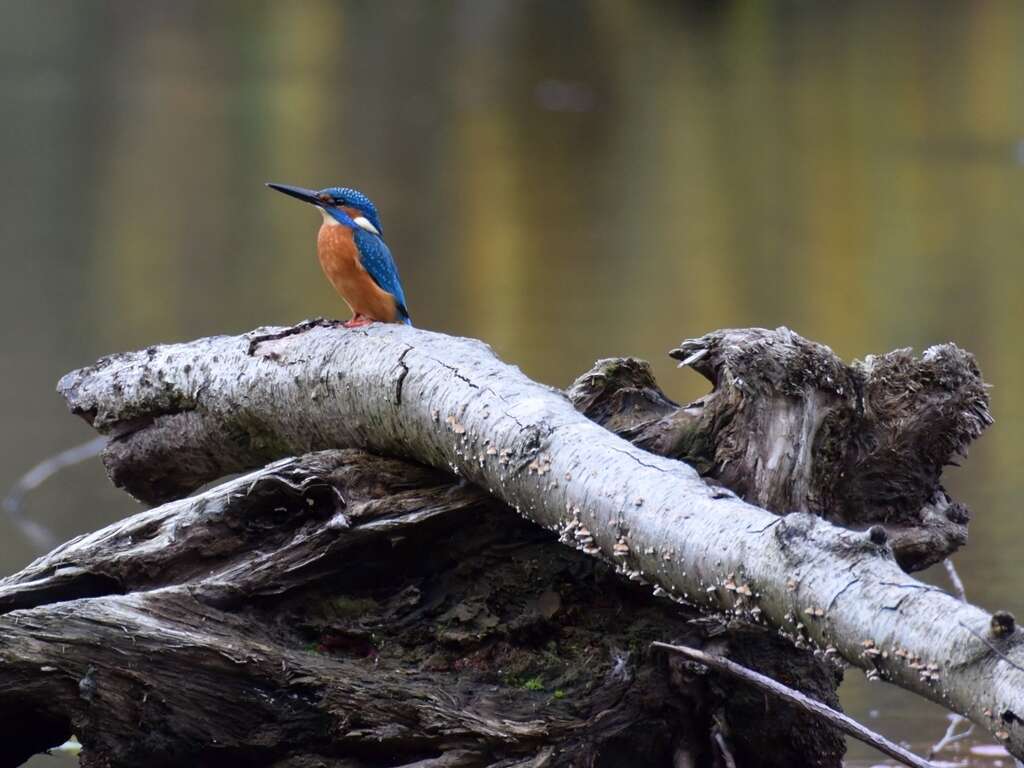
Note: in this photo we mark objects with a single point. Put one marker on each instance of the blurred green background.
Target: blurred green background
(566, 180)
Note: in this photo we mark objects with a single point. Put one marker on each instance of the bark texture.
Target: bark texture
(343, 609)
(182, 415)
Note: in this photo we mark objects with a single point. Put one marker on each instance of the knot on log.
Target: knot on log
(878, 535)
(1003, 624)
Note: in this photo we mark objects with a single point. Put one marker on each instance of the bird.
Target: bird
(353, 255)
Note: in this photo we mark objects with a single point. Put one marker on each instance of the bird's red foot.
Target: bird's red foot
(357, 321)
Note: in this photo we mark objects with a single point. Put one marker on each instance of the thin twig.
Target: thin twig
(951, 736)
(723, 749)
(954, 577)
(992, 648)
(843, 722)
(41, 536)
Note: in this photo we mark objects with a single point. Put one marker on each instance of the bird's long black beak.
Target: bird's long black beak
(306, 195)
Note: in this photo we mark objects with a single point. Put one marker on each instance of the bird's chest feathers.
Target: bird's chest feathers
(339, 258)
(338, 254)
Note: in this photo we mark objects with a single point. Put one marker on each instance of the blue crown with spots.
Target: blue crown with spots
(355, 199)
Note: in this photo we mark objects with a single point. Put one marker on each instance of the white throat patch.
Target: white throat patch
(328, 219)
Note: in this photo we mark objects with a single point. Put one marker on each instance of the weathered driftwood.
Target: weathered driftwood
(190, 413)
(183, 414)
(347, 610)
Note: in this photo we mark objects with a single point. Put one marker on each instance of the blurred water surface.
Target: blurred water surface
(565, 180)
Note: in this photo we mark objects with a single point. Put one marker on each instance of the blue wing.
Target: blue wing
(376, 259)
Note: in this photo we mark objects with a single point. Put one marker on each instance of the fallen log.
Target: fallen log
(344, 609)
(185, 414)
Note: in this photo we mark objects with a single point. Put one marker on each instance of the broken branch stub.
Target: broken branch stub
(790, 428)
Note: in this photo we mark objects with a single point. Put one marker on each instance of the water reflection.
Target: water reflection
(567, 181)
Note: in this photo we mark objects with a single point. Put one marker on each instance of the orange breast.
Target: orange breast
(339, 259)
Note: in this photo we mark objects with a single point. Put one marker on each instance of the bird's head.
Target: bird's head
(348, 207)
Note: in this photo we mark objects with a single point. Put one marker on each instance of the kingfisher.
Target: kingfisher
(353, 255)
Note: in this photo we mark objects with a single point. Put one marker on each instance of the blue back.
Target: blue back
(376, 259)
